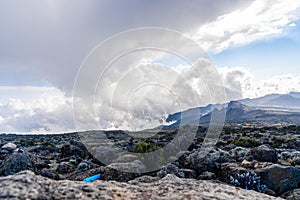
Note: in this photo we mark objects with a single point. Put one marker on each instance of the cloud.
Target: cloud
(50, 39)
(44, 110)
(129, 107)
(262, 19)
(240, 83)
(276, 85)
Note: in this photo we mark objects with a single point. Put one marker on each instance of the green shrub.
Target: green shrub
(291, 140)
(246, 142)
(143, 147)
(277, 141)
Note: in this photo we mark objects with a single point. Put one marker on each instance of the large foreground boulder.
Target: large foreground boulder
(27, 185)
(280, 178)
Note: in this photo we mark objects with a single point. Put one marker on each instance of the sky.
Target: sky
(253, 45)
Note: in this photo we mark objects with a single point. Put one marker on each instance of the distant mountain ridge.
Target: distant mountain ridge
(273, 108)
(291, 100)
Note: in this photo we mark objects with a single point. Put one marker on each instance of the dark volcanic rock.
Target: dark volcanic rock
(280, 178)
(238, 153)
(83, 166)
(238, 176)
(207, 176)
(64, 168)
(292, 195)
(14, 163)
(204, 160)
(79, 176)
(123, 171)
(39, 162)
(189, 173)
(105, 154)
(69, 150)
(170, 169)
(49, 174)
(262, 153)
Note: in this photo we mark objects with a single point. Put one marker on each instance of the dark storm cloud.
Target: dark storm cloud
(51, 38)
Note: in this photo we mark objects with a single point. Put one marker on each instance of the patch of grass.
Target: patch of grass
(291, 139)
(27, 142)
(246, 142)
(144, 147)
(277, 141)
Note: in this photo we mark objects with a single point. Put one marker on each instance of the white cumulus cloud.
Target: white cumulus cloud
(49, 110)
(263, 18)
(43, 110)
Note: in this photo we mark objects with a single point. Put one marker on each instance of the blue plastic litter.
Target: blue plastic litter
(92, 178)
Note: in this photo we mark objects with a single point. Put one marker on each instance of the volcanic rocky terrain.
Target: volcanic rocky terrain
(249, 161)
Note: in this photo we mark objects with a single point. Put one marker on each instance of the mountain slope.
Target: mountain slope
(291, 100)
(274, 108)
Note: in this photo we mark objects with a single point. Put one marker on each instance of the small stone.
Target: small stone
(170, 169)
(19, 150)
(49, 174)
(269, 192)
(64, 168)
(207, 176)
(248, 164)
(87, 188)
(4, 151)
(83, 166)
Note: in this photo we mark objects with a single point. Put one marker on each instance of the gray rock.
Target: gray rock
(170, 169)
(291, 157)
(188, 173)
(69, 150)
(105, 154)
(107, 173)
(27, 185)
(280, 178)
(269, 192)
(143, 179)
(135, 166)
(83, 166)
(262, 153)
(125, 158)
(64, 168)
(292, 195)
(9, 147)
(14, 163)
(207, 176)
(3, 151)
(203, 160)
(49, 174)
(233, 174)
(238, 153)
